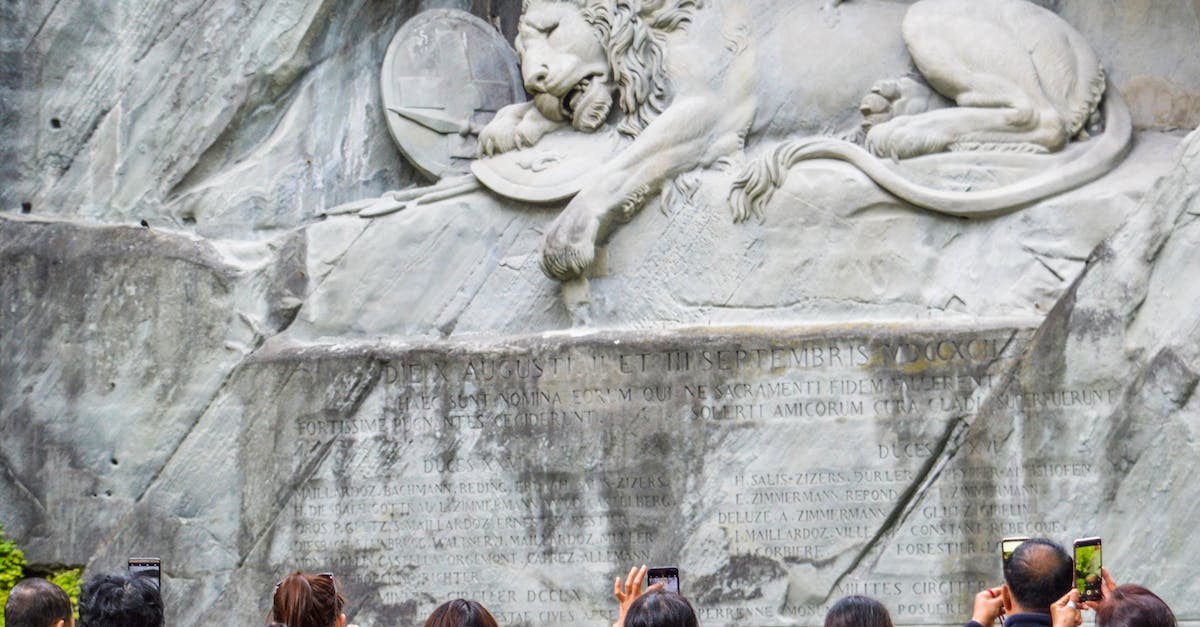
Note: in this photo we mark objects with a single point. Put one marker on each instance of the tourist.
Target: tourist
(35, 602)
(1035, 577)
(653, 608)
(303, 600)
(1121, 606)
(858, 611)
(461, 613)
(120, 600)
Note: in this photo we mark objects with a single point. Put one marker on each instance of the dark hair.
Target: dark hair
(461, 613)
(858, 611)
(1134, 606)
(120, 600)
(307, 600)
(661, 609)
(35, 602)
(1038, 574)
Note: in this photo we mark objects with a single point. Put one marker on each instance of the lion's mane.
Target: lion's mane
(634, 34)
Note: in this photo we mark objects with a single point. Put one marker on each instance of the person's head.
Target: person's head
(460, 613)
(661, 609)
(35, 602)
(120, 600)
(858, 611)
(1038, 574)
(1134, 606)
(308, 601)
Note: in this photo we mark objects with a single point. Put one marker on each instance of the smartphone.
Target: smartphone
(1008, 545)
(669, 575)
(1087, 569)
(150, 567)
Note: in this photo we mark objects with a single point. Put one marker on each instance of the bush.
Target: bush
(12, 568)
(12, 571)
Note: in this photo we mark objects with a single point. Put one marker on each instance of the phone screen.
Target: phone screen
(1087, 569)
(669, 575)
(150, 567)
(1008, 545)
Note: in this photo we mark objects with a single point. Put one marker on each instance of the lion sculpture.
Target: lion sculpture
(692, 81)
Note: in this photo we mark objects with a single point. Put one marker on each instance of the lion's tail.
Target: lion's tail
(755, 186)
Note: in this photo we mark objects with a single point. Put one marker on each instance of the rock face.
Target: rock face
(849, 395)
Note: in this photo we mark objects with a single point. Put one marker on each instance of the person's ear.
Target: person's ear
(341, 621)
(60, 623)
(1006, 599)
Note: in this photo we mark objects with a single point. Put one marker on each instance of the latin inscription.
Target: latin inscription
(580, 461)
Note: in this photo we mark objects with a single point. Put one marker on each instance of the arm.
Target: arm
(629, 592)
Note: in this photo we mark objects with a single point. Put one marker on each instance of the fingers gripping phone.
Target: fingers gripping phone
(150, 567)
(1087, 569)
(1008, 545)
(669, 575)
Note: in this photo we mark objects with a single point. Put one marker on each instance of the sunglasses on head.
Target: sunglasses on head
(327, 575)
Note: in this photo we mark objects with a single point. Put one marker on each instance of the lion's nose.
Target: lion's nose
(537, 78)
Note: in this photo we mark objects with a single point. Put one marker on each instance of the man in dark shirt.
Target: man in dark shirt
(1039, 573)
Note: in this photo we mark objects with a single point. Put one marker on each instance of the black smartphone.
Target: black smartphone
(150, 567)
(1087, 569)
(1008, 545)
(669, 575)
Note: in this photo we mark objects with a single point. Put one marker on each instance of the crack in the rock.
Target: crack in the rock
(446, 320)
(37, 33)
(955, 432)
(16, 481)
(336, 262)
(298, 480)
(374, 376)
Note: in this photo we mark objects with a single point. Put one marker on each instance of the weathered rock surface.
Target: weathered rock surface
(115, 339)
(222, 119)
(404, 401)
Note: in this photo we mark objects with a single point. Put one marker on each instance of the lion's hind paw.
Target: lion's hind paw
(894, 97)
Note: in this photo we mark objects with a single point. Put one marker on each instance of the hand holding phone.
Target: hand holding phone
(1089, 576)
(668, 575)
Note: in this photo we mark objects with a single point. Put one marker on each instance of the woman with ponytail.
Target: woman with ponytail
(309, 601)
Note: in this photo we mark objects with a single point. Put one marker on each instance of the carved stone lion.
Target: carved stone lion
(694, 80)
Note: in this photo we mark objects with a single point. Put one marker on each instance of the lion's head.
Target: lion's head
(572, 51)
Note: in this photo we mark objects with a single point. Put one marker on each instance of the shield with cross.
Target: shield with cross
(446, 73)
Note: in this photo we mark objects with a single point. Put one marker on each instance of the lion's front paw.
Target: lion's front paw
(533, 127)
(514, 127)
(569, 246)
(500, 135)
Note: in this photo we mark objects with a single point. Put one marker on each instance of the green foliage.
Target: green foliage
(12, 568)
(12, 571)
(69, 580)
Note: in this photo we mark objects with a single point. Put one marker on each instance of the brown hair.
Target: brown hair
(307, 600)
(1134, 606)
(460, 613)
